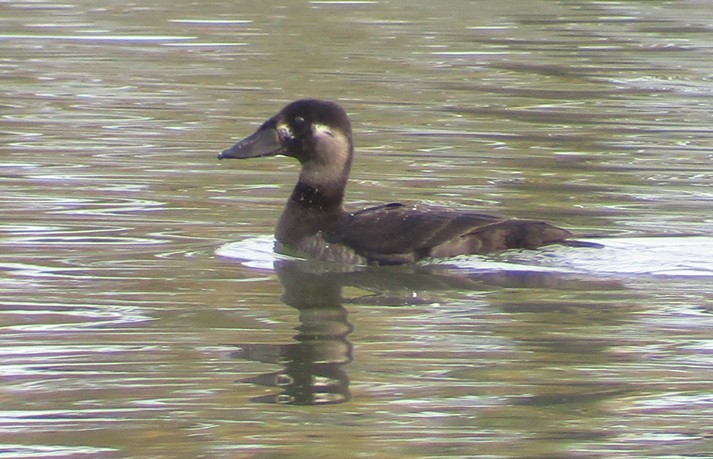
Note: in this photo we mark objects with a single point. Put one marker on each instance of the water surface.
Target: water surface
(144, 315)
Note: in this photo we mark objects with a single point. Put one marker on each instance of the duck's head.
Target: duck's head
(316, 132)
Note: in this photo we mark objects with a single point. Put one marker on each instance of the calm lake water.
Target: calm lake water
(144, 315)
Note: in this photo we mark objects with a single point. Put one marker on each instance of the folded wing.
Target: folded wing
(396, 233)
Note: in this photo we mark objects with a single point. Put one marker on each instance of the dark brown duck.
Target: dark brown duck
(314, 223)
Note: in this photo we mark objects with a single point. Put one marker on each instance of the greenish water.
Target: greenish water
(142, 312)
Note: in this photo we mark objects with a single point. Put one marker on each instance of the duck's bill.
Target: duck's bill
(264, 142)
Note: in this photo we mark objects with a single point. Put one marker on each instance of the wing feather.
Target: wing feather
(398, 233)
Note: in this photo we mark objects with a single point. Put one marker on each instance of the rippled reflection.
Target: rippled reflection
(312, 371)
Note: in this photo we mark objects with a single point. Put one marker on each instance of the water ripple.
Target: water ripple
(646, 256)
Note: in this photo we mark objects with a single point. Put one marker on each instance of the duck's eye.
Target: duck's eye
(299, 125)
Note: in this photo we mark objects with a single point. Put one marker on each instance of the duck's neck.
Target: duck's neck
(310, 210)
(318, 199)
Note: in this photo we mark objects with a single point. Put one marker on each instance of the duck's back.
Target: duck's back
(395, 233)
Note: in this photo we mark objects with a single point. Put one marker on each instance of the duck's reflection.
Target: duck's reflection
(312, 372)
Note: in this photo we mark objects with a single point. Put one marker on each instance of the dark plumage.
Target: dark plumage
(315, 224)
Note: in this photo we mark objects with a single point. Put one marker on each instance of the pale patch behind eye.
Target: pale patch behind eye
(322, 129)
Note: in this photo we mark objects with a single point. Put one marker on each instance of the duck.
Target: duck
(315, 224)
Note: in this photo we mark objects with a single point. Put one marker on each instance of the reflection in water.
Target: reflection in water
(312, 372)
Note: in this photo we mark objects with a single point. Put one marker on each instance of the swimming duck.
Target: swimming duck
(314, 223)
